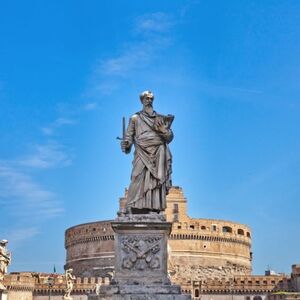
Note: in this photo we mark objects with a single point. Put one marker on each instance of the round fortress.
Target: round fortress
(198, 248)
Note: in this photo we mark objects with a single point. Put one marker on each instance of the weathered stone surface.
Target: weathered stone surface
(141, 265)
(149, 133)
(141, 250)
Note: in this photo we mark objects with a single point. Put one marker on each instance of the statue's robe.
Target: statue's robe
(152, 163)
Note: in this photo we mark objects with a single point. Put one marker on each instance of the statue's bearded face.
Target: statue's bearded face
(147, 100)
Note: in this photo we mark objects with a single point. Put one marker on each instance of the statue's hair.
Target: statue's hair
(146, 93)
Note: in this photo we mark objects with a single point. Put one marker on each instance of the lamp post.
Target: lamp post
(50, 282)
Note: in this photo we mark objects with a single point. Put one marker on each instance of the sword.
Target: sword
(123, 130)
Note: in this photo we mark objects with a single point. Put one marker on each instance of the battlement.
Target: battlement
(244, 285)
(38, 283)
(23, 281)
(215, 228)
(87, 232)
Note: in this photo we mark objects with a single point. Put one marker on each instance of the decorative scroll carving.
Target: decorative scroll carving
(141, 253)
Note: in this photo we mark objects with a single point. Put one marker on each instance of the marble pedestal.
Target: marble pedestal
(141, 261)
(3, 294)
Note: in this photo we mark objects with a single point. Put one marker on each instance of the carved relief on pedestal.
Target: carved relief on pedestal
(141, 253)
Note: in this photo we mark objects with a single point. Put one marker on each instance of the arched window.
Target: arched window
(196, 293)
(248, 234)
(240, 231)
(227, 229)
(203, 227)
(257, 298)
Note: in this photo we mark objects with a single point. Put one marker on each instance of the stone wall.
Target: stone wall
(90, 249)
(19, 286)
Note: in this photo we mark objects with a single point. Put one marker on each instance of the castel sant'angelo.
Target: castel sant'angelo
(198, 248)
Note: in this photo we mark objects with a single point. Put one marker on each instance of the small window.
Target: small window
(227, 229)
(214, 227)
(248, 234)
(175, 218)
(192, 227)
(175, 208)
(196, 293)
(203, 227)
(179, 227)
(240, 232)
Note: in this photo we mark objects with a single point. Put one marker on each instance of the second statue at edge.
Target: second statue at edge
(150, 133)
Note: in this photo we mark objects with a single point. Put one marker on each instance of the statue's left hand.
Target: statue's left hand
(161, 127)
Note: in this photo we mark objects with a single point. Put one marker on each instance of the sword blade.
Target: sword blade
(124, 128)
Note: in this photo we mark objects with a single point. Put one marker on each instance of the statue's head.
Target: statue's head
(3, 242)
(147, 97)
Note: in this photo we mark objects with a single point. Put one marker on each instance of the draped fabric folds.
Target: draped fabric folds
(152, 163)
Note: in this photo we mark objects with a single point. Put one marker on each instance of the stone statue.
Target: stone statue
(70, 278)
(5, 259)
(150, 133)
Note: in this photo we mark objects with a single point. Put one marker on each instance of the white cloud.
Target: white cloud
(24, 198)
(91, 106)
(58, 123)
(135, 57)
(17, 236)
(46, 156)
(153, 23)
(152, 35)
(27, 202)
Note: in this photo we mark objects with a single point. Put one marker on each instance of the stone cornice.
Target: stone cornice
(179, 236)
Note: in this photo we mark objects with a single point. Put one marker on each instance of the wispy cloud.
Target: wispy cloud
(48, 155)
(135, 57)
(58, 123)
(17, 236)
(91, 106)
(22, 196)
(153, 23)
(151, 35)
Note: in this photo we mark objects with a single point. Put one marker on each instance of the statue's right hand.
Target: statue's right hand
(124, 146)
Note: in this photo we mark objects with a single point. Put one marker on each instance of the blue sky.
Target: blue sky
(228, 70)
